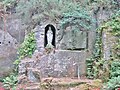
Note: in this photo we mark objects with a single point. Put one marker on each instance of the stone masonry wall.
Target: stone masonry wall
(57, 63)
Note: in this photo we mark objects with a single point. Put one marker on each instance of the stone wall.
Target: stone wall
(60, 62)
(63, 63)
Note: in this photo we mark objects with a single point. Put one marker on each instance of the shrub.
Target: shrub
(28, 46)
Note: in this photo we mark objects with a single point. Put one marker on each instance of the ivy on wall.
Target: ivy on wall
(95, 63)
(114, 26)
(97, 67)
(28, 46)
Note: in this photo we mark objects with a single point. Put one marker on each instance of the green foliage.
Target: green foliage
(28, 46)
(107, 4)
(64, 11)
(114, 81)
(96, 66)
(78, 17)
(40, 9)
(90, 68)
(115, 69)
(10, 81)
(95, 63)
(1, 0)
(8, 1)
(113, 84)
(114, 28)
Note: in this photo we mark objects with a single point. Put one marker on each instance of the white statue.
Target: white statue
(49, 38)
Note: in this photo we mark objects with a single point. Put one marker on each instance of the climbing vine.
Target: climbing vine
(114, 26)
(96, 65)
(28, 46)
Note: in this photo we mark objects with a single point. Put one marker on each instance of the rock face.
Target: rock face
(8, 54)
(9, 42)
(15, 29)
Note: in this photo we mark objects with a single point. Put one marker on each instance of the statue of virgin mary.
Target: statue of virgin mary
(49, 38)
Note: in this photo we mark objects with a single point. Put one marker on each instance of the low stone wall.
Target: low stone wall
(63, 63)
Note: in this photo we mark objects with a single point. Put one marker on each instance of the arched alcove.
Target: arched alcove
(53, 36)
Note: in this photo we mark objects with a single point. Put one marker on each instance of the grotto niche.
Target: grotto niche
(49, 36)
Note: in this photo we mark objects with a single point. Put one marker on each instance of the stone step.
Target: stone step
(65, 84)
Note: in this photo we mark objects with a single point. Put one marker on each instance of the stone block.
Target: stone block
(63, 63)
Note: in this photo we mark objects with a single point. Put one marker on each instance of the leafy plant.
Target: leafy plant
(96, 65)
(114, 81)
(28, 46)
(113, 26)
(113, 84)
(8, 2)
(10, 81)
(115, 69)
(78, 17)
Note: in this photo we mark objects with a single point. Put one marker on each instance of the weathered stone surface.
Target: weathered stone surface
(28, 69)
(8, 53)
(9, 41)
(14, 28)
(72, 39)
(39, 35)
(63, 63)
(91, 42)
(7, 57)
(108, 43)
